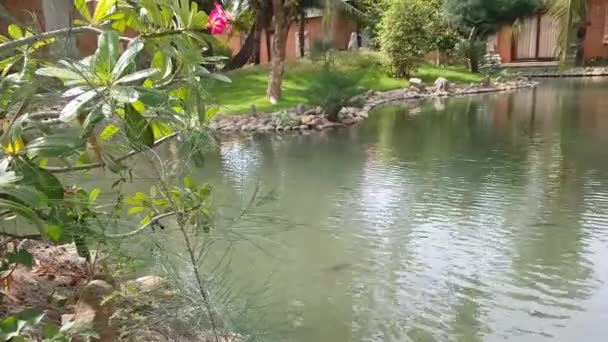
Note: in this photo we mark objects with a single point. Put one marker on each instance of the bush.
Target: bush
(334, 90)
(473, 51)
(405, 35)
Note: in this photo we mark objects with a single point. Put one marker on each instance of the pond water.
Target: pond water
(470, 219)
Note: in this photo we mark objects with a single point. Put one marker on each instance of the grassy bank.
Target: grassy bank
(249, 85)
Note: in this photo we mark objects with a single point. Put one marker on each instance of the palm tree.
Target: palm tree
(572, 17)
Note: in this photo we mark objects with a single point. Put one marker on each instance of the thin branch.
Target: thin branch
(45, 35)
(142, 228)
(98, 165)
(22, 237)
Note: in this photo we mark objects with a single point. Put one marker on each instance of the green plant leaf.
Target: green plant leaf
(138, 129)
(127, 58)
(83, 9)
(41, 179)
(50, 330)
(160, 129)
(189, 182)
(60, 73)
(23, 211)
(123, 94)
(54, 232)
(21, 257)
(70, 111)
(108, 132)
(137, 76)
(102, 9)
(76, 91)
(14, 31)
(135, 210)
(152, 97)
(108, 46)
(54, 146)
(94, 194)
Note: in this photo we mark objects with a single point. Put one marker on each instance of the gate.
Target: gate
(537, 39)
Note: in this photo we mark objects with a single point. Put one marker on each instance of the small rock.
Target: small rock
(316, 122)
(150, 283)
(441, 84)
(348, 121)
(416, 82)
(413, 89)
(92, 311)
(363, 114)
(307, 119)
(300, 109)
(303, 127)
(359, 119)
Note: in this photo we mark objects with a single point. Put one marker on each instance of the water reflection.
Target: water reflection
(475, 219)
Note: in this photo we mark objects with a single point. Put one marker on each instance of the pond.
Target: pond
(470, 219)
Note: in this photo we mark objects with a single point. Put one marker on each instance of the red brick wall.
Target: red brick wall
(314, 27)
(505, 43)
(20, 9)
(596, 20)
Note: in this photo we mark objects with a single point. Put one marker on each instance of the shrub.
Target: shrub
(405, 34)
(334, 90)
(473, 51)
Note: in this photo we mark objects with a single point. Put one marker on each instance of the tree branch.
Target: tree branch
(154, 220)
(98, 165)
(22, 237)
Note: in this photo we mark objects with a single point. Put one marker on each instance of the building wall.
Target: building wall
(597, 21)
(20, 10)
(505, 43)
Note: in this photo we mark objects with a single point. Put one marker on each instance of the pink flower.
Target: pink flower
(218, 21)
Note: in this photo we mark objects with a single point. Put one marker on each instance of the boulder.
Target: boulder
(300, 109)
(307, 119)
(441, 84)
(416, 82)
(150, 283)
(93, 311)
(316, 122)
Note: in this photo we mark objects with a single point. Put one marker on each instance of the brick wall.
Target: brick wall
(596, 22)
(21, 9)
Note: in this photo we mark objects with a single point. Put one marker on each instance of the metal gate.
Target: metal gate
(537, 39)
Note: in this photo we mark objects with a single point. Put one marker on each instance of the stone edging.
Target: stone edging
(575, 72)
(300, 120)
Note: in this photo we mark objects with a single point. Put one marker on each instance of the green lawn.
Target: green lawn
(249, 85)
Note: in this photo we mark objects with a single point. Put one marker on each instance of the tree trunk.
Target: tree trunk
(472, 54)
(302, 32)
(279, 40)
(250, 48)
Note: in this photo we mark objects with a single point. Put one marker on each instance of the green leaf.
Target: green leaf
(108, 46)
(70, 111)
(160, 129)
(60, 73)
(138, 129)
(76, 91)
(14, 31)
(83, 9)
(54, 232)
(219, 77)
(124, 94)
(135, 210)
(127, 58)
(189, 182)
(41, 179)
(21, 257)
(137, 76)
(152, 97)
(23, 211)
(102, 9)
(54, 146)
(94, 194)
(26, 195)
(108, 132)
(50, 330)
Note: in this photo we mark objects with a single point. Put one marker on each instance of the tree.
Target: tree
(571, 15)
(405, 34)
(479, 18)
(283, 12)
(110, 110)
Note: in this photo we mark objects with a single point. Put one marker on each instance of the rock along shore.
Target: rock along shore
(300, 119)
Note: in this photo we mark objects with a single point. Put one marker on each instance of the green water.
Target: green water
(472, 219)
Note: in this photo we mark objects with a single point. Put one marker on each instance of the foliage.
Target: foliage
(405, 35)
(110, 110)
(250, 83)
(334, 90)
(485, 16)
(473, 51)
(571, 15)
(374, 10)
(20, 327)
